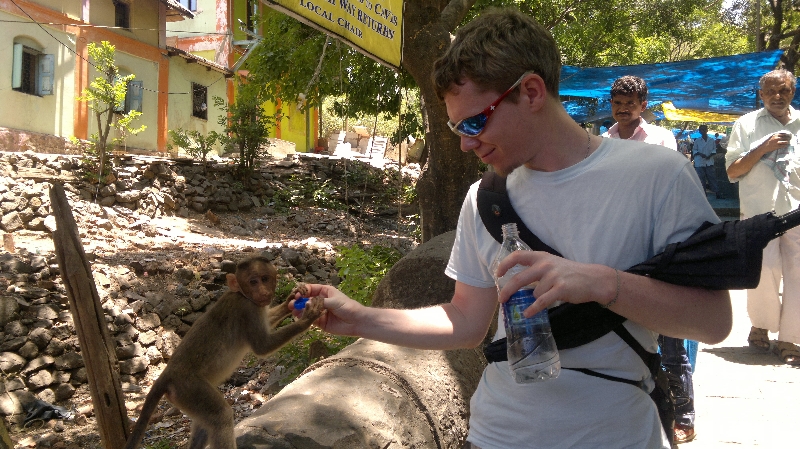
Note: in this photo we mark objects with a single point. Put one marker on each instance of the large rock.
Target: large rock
(376, 395)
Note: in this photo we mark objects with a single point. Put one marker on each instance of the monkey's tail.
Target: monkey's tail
(150, 403)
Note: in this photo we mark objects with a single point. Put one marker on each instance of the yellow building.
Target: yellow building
(47, 67)
(214, 33)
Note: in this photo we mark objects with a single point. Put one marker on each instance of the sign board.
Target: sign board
(374, 27)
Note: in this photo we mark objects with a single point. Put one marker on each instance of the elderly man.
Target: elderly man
(762, 151)
(597, 202)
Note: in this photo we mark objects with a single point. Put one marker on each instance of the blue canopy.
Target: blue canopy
(726, 84)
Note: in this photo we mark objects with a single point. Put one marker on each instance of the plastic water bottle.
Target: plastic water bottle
(532, 351)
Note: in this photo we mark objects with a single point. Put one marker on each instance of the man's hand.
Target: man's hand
(342, 313)
(775, 142)
(557, 279)
(744, 164)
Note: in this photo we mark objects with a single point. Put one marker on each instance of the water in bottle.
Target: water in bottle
(532, 352)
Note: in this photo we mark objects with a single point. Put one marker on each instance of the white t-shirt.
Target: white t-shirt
(615, 208)
(759, 189)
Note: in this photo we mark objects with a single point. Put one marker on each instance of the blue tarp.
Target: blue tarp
(725, 84)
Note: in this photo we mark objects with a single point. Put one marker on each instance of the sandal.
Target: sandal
(758, 338)
(787, 352)
(683, 435)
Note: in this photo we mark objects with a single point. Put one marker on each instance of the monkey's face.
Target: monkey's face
(258, 282)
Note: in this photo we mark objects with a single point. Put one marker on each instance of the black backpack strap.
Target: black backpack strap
(495, 210)
(650, 359)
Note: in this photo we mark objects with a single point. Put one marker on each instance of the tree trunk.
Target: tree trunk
(448, 173)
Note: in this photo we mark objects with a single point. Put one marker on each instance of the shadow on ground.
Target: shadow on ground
(745, 355)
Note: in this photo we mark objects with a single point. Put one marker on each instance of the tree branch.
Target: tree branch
(455, 11)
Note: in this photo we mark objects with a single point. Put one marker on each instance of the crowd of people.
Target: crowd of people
(604, 204)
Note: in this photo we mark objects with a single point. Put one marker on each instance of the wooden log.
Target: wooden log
(97, 347)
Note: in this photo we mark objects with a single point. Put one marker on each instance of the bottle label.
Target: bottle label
(517, 304)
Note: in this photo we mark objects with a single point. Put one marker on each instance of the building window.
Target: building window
(122, 14)
(133, 98)
(200, 101)
(191, 5)
(32, 71)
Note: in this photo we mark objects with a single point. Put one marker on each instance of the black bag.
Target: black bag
(572, 324)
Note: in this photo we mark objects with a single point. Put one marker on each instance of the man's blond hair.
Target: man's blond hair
(494, 50)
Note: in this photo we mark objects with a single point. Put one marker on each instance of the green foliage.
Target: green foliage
(295, 356)
(193, 142)
(294, 59)
(106, 97)
(161, 444)
(361, 270)
(247, 127)
(300, 191)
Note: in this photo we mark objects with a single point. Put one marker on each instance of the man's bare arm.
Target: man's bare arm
(743, 165)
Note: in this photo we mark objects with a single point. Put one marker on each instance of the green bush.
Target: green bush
(361, 270)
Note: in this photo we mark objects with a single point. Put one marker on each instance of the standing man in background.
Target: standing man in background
(628, 101)
(758, 148)
(703, 151)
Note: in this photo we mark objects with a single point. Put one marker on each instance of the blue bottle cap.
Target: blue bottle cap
(300, 304)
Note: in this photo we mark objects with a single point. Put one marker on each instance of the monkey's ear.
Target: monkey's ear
(233, 283)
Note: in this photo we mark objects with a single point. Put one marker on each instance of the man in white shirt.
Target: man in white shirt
(703, 150)
(628, 101)
(762, 158)
(597, 202)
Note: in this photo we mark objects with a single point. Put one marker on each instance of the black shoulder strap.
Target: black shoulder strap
(495, 210)
(572, 324)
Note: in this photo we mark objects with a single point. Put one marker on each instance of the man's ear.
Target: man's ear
(533, 91)
(644, 105)
(233, 283)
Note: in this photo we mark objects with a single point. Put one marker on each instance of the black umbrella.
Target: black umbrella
(719, 256)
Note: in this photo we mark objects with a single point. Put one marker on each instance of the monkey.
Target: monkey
(244, 319)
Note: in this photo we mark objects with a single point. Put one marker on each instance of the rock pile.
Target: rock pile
(156, 187)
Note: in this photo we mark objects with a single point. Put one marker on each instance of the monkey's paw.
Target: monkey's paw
(302, 289)
(313, 309)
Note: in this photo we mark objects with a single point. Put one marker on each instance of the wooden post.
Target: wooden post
(97, 347)
(5, 440)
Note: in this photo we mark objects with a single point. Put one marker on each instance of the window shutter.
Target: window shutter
(47, 66)
(16, 71)
(133, 98)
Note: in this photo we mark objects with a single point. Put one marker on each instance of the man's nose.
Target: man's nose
(469, 143)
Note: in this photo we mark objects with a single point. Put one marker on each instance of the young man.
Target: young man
(703, 150)
(628, 101)
(594, 200)
(758, 140)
